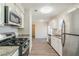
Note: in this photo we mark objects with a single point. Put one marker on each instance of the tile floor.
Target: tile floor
(42, 48)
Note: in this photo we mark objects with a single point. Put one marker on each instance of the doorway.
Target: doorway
(33, 31)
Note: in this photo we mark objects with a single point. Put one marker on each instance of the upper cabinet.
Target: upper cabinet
(1, 14)
(12, 14)
(49, 30)
(54, 24)
(20, 12)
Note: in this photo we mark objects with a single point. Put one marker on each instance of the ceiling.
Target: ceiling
(58, 8)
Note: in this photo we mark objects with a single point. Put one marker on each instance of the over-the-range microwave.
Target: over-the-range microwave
(10, 17)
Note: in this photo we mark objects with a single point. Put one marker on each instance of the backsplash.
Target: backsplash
(9, 29)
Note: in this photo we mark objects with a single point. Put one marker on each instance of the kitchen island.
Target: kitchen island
(9, 50)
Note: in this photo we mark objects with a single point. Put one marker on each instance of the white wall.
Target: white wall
(26, 28)
(27, 25)
(40, 30)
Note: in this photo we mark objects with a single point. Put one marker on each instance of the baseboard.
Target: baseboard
(55, 50)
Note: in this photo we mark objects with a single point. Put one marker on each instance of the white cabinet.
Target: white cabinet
(1, 14)
(49, 30)
(16, 53)
(54, 24)
(56, 44)
(20, 12)
(12, 7)
(16, 8)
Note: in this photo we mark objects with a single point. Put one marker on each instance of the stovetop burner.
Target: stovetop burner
(12, 42)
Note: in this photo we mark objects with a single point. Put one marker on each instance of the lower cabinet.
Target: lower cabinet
(16, 53)
(56, 44)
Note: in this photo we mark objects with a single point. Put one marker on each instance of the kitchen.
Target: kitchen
(16, 28)
(14, 40)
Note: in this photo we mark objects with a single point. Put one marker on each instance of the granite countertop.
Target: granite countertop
(57, 36)
(8, 50)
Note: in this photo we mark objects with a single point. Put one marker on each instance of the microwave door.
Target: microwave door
(14, 18)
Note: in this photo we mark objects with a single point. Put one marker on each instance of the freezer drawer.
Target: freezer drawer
(71, 47)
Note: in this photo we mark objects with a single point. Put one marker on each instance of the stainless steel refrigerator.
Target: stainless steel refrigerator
(70, 40)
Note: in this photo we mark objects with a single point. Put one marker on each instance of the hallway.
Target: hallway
(41, 48)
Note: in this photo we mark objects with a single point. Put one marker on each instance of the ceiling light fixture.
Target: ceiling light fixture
(41, 20)
(46, 9)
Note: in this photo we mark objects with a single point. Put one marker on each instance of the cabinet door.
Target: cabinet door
(20, 13)
(52, 42)
(1, 14)
(54, 23)
(17, 10)
(56, 44)
(11, 7)
(16, 53)
(59, 46)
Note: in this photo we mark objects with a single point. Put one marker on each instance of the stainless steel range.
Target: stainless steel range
(11, 40)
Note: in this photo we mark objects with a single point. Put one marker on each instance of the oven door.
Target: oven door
(25, 49)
